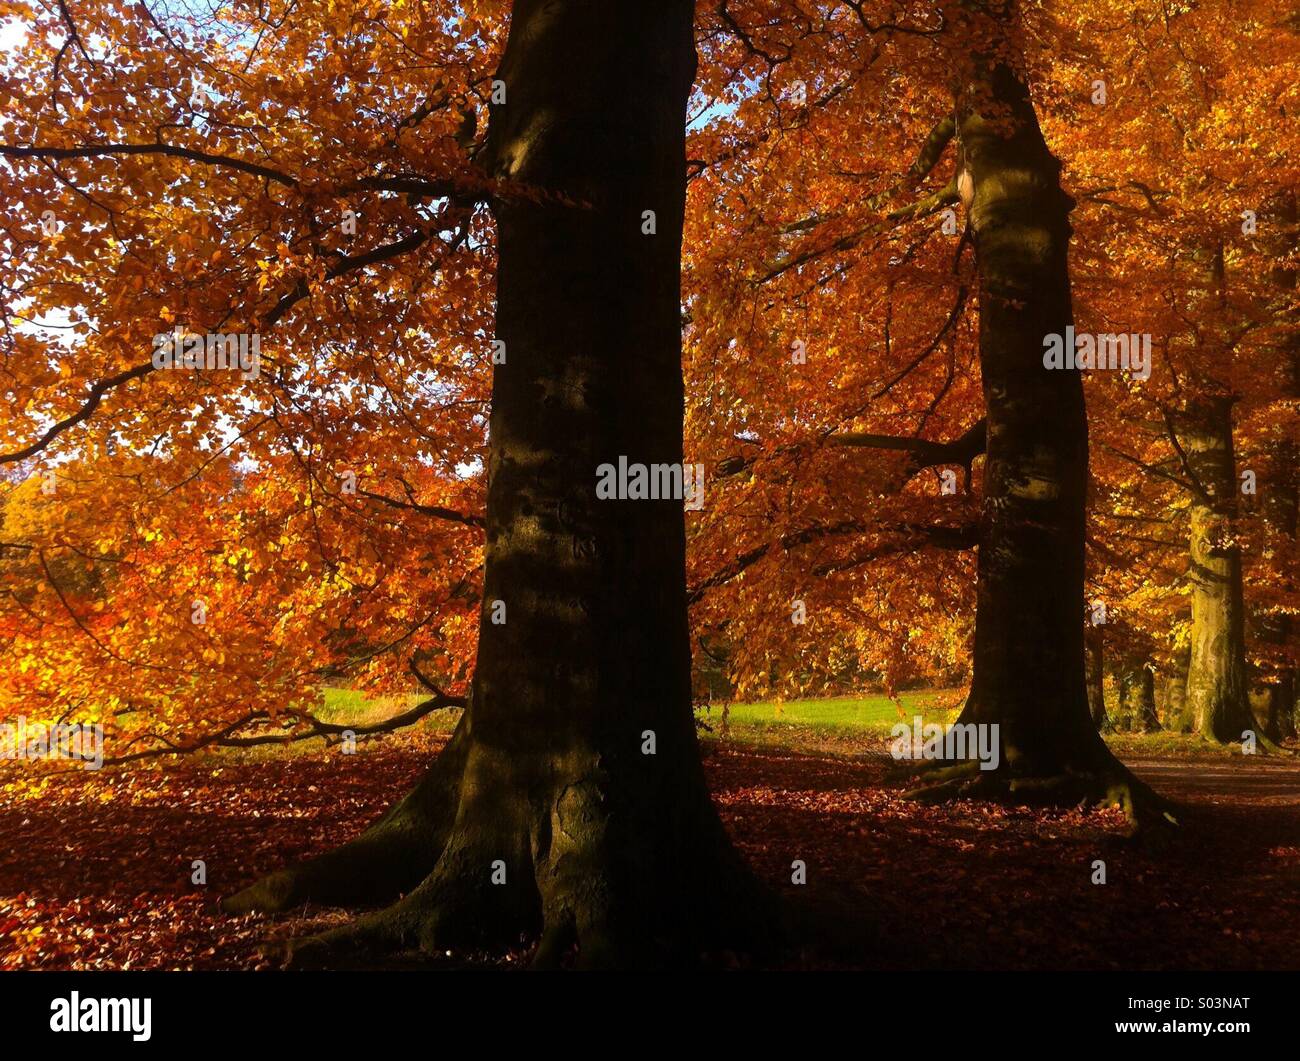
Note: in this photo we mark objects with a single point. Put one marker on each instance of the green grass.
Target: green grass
(352, 707)
(837, 712)
(1164, 745)
(838, 723)
(853, 724)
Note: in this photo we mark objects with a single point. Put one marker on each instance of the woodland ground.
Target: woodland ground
(95, 868)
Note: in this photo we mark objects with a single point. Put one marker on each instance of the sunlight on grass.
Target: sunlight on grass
(845, 724)
(872, 711)
(353, 707)
(838, 723)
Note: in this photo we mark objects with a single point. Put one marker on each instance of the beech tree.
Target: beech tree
(1031, 555)
(570, 802)
(1195, 262)
(1027, 673)
(462, 258)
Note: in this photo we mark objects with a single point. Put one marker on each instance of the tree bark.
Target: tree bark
(1029, 677)
(1280, 505)
(606, 850)
(1137, 697)
(1178, 717)
(1217, 690)
(1095, 666)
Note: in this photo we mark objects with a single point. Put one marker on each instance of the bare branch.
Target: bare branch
(104, 150)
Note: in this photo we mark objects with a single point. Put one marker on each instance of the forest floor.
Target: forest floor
(96, 867)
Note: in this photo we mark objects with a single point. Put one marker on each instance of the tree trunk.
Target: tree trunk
(1178, 717)
(1281, 723)
(1217, 691)
(1137, 697)
(604, 844)
(1095, 667)
(1280, 504)
(1028, 676)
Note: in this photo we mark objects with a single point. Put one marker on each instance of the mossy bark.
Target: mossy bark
(1137, 697)
(553, 820)
(1218, 694)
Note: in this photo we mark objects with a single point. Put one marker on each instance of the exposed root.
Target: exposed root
(390, 857)
(455, 911)
(1149, 816)
(542, 862)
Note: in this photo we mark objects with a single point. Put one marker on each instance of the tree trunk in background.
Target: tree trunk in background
(1095, 670)
(1028, 667)
(1280, 724)
(1280, 487)
(603, 846)
(1217, 691)
(1137, 697)
(1177, 717)
(1028, 675)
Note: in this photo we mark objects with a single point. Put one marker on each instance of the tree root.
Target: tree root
(457, 909)
(446, 911)
(1149, 816)
(390, 857)
(488, 858)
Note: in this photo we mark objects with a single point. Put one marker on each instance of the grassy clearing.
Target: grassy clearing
(1164, 745)
(845, 725)
(352, 707)
(868, 712)
(856, 724)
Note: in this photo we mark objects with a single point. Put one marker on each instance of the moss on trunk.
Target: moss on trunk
(1217, 691)
(1137, 697)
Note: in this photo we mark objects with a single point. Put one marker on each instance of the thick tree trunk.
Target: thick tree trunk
(1028, 676)
(1028, 668)
(1217, 691)
(603, 842)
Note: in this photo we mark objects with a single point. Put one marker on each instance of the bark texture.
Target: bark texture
(1177, 716)
(1280, 504)
(1095, 667)
(1029, 676)
(1218, 695)
(1137, 697)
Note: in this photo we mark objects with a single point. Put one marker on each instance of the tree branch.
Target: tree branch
(925, 453)
(103, 150)
(965, 536)
(316, 728)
